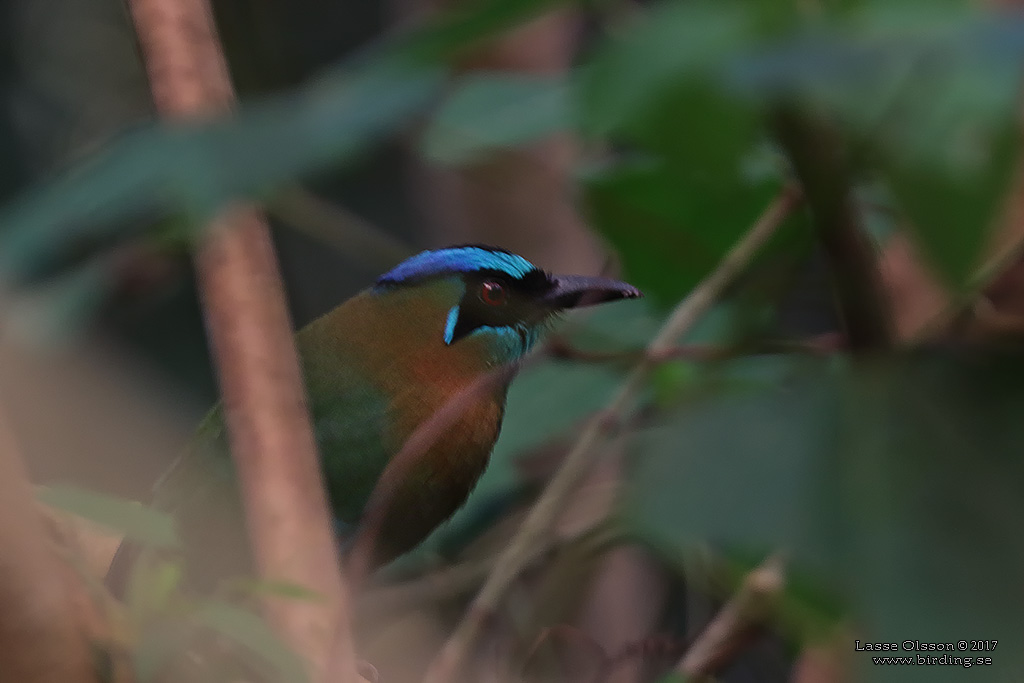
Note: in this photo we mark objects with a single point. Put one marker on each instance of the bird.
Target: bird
(375, 368)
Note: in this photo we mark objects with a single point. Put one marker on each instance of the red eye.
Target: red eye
(493, 293)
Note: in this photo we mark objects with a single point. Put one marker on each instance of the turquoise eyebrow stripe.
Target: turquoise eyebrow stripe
(456, 260)
(449, 327)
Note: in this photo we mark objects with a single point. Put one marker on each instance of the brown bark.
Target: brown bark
(817, 157)
(44, 634)
(270, 432)
(264, 398)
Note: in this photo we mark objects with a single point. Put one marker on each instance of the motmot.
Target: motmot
(375, 368)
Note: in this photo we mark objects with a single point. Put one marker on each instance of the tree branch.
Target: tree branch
(250, 331)
(814, 151)
(732, 627)
(436, 586)
(551, 501)
(561, 348)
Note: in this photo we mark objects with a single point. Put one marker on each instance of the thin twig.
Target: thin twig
(551, 501)
(340, 228)
(734, 624)
(250, 332)
(433, 587)
(973, 299)
(820, 344)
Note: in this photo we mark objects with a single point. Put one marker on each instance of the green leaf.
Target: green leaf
(253, 633)
(618, 326)
(152, 586)
(661, 87)
(932, 480)
(453, 32)
(136, 521)
(271, 588)
(694, 174)
(928, 97)
(158, 645)
(954, 162)
(670, 380)
(895, 482)
(755, 446)
(547, 399)
(909, 19)
(948, 143)
(674, 677)
(493, 111)
(669, 47)
(194, 168)
(61, 307)
(670, 228)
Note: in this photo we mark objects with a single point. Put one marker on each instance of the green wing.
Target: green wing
(200, 490)
(352, 428)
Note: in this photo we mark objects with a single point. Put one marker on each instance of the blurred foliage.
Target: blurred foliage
(893, 483)
(165, 620)
(683, 144)
(674, 107)
(133, 520)
(191, 170)
(495, 111)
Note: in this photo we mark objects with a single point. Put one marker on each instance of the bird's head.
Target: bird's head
(496, 298)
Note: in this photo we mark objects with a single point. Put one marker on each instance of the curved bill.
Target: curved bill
(576, 291)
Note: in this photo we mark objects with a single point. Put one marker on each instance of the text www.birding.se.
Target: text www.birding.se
(923, 660)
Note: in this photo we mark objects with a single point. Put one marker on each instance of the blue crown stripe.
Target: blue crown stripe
(456, 260)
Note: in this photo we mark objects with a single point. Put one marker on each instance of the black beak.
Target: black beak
(576, 291)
